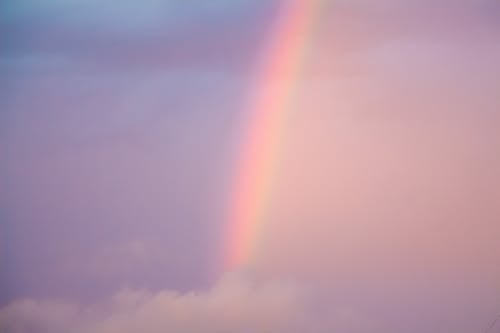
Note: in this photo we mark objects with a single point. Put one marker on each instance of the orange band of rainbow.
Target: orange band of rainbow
(269, 106)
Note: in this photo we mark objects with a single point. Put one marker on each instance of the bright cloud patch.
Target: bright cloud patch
(234, 305)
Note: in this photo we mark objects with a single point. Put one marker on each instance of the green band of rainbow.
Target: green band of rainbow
(270, 103)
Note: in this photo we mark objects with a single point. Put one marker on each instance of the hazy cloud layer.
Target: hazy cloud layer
(234, 305)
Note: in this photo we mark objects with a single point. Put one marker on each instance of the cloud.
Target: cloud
(234, 305)
(30, 316)
(127, 16)
(228, 35)
(136, 34)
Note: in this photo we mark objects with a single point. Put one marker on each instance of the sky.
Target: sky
(119, 127)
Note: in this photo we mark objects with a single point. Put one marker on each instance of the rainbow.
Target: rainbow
(278, 73)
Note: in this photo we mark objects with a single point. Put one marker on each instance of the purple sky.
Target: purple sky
(118, 128)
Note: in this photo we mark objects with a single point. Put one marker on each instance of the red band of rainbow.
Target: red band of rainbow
(268, 110)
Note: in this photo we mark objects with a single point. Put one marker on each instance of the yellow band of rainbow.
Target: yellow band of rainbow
(270, 103)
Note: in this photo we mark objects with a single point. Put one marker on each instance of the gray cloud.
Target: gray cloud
(126, 16)
(138, 34)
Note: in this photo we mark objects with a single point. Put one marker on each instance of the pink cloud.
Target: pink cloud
(233, 305)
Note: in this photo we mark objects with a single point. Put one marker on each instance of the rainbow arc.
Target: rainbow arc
(279, 71)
